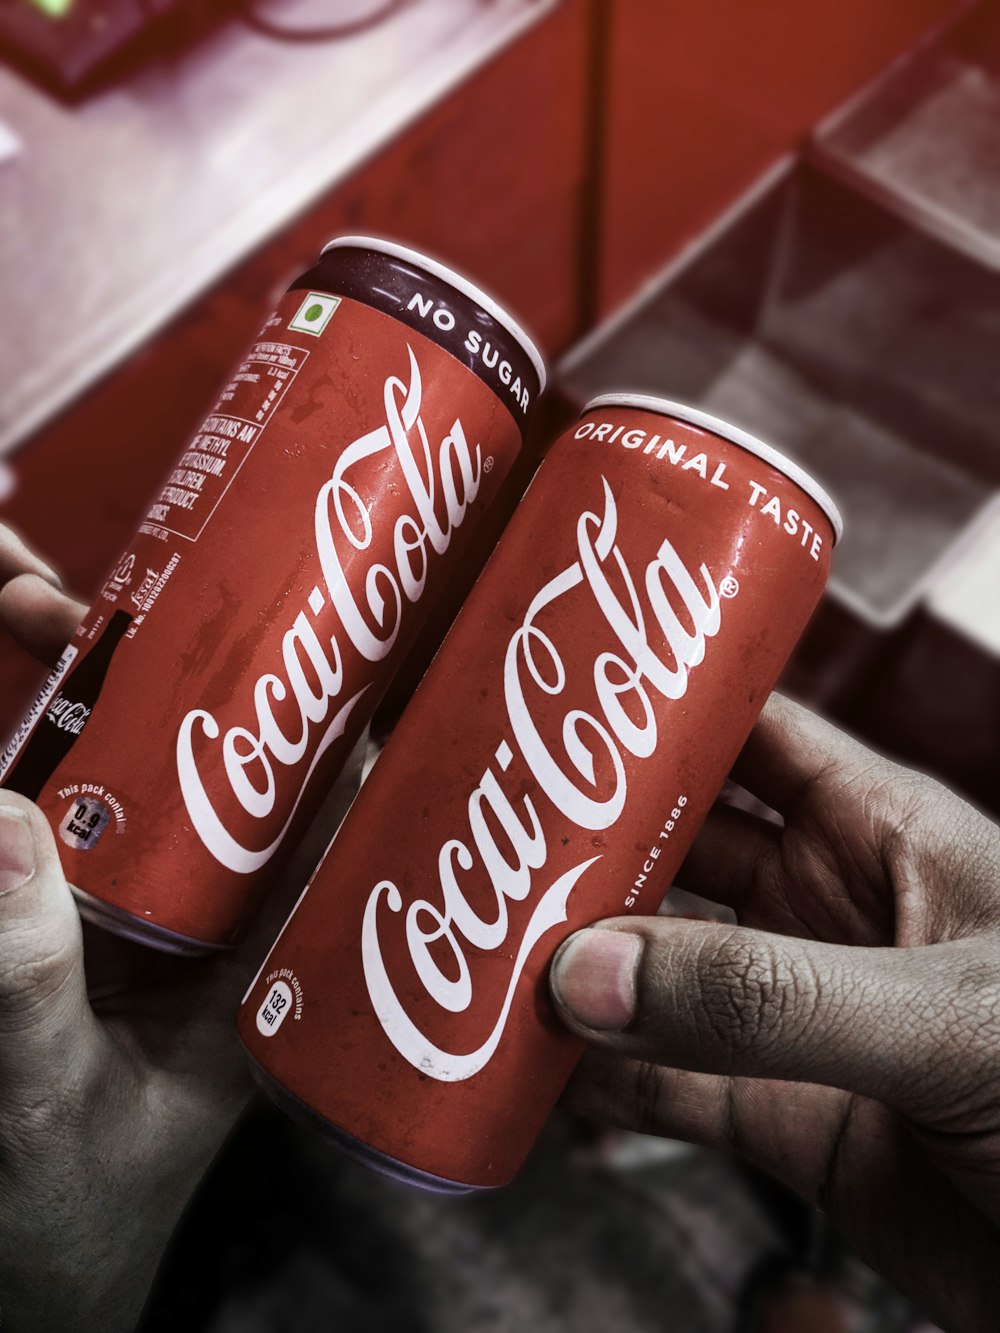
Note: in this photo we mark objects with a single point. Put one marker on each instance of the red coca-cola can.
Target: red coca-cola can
(552, 769)
(235, 654)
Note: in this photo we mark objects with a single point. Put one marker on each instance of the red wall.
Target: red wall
(703, 95)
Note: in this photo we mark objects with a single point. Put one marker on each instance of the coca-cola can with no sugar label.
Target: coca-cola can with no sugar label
(218, 683)
(552, 769)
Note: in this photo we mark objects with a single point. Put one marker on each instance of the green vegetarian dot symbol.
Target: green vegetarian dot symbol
(314, 312)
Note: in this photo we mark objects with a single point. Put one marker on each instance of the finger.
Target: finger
(790, 751)
(46, 1025)
(784, 1128)
(852, 1157)
(612, 1089)
(18, 558)
(40, 617)
(724, 999)
(737, 860)
(731, 862)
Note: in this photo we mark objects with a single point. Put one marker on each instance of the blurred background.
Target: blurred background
(788, 213)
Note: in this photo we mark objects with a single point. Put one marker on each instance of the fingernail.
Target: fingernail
(17, 849)
(594, 978)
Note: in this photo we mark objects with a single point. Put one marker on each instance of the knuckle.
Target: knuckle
(946, 852)
(971, 1013)
(747, 992)
(895, 798)
(953, 1079)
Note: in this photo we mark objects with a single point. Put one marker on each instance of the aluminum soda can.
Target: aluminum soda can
(552, 769)
(218, 683)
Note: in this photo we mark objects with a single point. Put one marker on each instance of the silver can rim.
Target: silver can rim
(438, 270)
(110, 917)
(393, 1168)
(666, 407)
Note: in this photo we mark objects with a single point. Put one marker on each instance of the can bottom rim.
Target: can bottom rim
(119, 922)
(377, 1161)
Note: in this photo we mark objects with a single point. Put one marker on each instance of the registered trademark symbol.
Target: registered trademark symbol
(729, 586)
(488, 465)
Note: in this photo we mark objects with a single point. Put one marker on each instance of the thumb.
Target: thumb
(723, 1000)
(46, 1023)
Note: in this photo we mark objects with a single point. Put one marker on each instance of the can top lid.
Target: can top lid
(463, 285)
(696, 417)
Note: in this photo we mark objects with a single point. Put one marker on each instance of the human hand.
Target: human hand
(120, 1071)
(845, 1036)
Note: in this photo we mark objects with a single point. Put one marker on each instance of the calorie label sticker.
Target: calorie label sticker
(271, 1013)
(84, 822)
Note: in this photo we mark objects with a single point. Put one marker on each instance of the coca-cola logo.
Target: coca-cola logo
(67, 715)
(584, 778)
(369, 604)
